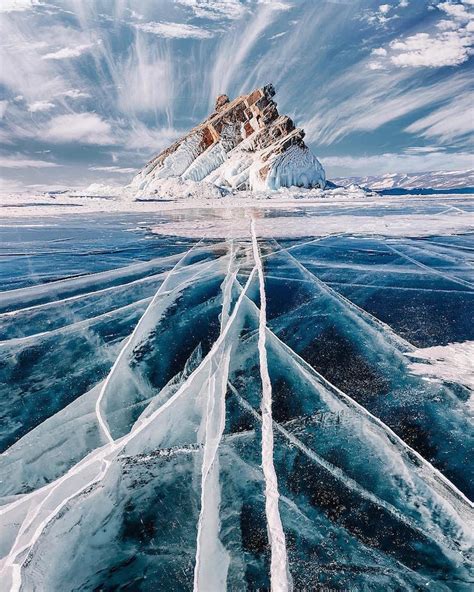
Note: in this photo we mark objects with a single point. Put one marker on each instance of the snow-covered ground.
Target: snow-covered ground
(352, 210)
(452, 363)
(181, 193)
(369, 219)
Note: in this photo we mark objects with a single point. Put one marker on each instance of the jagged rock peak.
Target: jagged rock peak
(244, 144)
(221, 102)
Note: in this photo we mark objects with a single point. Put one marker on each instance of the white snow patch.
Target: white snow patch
(205, 163)
(453, 362)
(174, 165)
(100, 190)
(175, 188)
(230, 222)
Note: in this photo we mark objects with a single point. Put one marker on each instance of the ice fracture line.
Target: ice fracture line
(279, 573)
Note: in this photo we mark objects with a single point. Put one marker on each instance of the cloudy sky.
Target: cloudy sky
(90, 89)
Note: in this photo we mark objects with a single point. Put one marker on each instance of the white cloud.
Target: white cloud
(397, 163)
(230, 9)
(75, 94)
(3, 108)
(388, 98)
(18, 5)
(457, 11)
(277, 35)
(276, 4)
(393, 107)
(423, 149)
(19, 161)
(215, 9)
(136, 15)
(85, 128)
(379, 52)
(233, 52)
(142, 137)
(447, 25)
(148, 79)
(376, 66)
(113, 169)
(380, 16)
(450, 44)
(22, 70)
(67, 52)
(175, 30)
(145, 80)
(448, 123)
(449, 48)
(40, 106)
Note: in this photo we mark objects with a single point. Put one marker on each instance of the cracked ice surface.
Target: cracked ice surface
(234, 413)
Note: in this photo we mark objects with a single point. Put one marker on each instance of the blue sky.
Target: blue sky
(90, 89)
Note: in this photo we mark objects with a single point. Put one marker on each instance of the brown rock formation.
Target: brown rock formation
(252, 124)
(221, 102)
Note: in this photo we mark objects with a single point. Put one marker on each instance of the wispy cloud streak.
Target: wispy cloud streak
(136, 74)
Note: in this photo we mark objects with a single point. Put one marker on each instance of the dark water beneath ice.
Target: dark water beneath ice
(371, 460)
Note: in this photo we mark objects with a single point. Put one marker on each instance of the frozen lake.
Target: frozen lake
(201, 397)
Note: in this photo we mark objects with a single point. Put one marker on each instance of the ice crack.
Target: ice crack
(279, 573)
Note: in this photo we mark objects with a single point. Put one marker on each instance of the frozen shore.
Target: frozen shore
(288, 213)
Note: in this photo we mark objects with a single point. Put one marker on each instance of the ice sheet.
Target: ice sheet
(248, 413)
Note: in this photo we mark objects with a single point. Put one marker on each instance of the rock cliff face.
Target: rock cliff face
(244, 145)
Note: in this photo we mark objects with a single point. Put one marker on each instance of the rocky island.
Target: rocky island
(244, 145)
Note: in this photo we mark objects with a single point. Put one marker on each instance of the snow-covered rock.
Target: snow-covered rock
(173, 188)
(244, 145)
(100, 190)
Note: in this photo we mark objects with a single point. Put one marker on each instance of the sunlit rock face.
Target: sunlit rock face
(245, 144)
